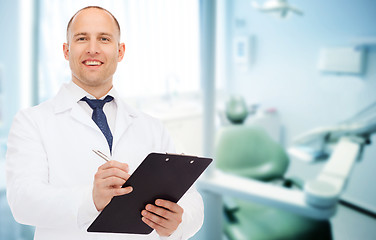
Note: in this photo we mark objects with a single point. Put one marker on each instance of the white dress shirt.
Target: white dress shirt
(51, 166)
(109, 108)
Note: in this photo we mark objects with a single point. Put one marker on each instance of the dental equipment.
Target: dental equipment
(343, 143)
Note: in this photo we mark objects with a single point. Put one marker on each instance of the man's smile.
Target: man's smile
(92, 62)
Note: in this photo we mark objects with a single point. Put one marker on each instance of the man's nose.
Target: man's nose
(93, 47)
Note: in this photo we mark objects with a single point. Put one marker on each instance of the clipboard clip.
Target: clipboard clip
(181, 154)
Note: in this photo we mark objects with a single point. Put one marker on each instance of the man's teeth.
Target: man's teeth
(93, 63)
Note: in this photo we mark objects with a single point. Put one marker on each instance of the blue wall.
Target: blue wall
(9, 62)
(10, 54)
(283, 72)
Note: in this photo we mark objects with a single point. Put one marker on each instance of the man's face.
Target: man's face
(93, 49)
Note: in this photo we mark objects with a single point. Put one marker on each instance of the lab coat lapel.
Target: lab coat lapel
(124, 118)
(64, 102)
(80, 115)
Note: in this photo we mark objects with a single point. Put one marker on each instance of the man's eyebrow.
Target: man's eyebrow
(85, 34)
(80, 34)
(104, 33)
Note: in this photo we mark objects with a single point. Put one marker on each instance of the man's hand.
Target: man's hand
(108, 181)
(164, 216)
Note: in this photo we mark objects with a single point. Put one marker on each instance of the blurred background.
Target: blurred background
(287, 66)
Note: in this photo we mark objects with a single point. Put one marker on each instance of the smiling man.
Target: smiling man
(93, 49)
(54, 181)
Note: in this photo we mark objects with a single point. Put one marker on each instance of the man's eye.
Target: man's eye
(104, 39)
(81, 39)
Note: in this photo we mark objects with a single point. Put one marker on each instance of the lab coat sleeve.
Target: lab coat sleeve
(191, 202)
(32, 199)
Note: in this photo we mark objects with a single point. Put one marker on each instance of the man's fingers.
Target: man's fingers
(153, 225)
(164, 218)
(160, 221)
(159, 211)
(110, 172)
(121, 191)
(111, 182)
(114, 164)
(173, 207)
(164, 227)
(108, 182)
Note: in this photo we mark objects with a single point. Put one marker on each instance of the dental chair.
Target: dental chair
(249, 152)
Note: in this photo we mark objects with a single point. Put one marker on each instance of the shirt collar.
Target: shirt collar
(78, 93)
(70, 94)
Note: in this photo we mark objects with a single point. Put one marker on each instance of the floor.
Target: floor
(348, 224)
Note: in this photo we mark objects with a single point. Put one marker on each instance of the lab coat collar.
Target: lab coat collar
(69, 96)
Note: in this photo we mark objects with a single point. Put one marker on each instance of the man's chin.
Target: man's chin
(92, 81)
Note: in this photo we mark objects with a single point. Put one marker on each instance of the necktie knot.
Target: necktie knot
(97, 103)
(99, 116)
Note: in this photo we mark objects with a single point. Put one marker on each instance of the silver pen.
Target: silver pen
(102, 155)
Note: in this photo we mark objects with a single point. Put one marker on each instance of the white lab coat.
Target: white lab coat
(51, 167)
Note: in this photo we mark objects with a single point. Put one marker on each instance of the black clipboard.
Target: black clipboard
(159, 176)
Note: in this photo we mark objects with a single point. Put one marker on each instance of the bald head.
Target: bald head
(92, 7)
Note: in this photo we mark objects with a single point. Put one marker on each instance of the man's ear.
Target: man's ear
(121, 51)
(66, 51)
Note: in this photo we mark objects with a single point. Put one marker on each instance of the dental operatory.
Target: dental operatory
(280, 95)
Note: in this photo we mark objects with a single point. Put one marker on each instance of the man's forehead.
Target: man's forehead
(93, 14)
(93, 17)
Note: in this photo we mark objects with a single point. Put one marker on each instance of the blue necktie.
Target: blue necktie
(99, 117)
